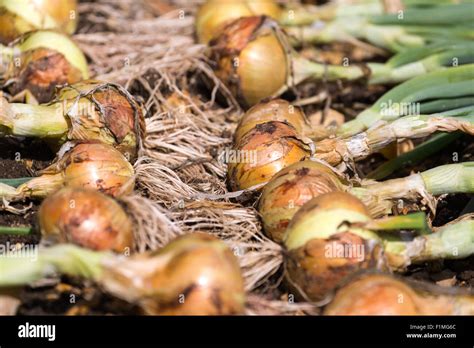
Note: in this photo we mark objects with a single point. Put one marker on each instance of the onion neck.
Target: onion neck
(41, 186)
(6, 55)
(44, 121)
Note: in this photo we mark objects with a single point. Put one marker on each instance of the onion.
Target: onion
(195, 274)
(274, 110)
(86, 111)
(87, 218)
(323, 249)
(20, 16)
(255, 61)
(290, 189)
(88, 165)
(264, 151)
(214, 14)
(377, 294)
(47, 59)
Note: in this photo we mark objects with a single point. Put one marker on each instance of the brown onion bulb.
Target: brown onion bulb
(214, 14)
(290, 189)
(87, 218)
(90, 111)
(264, 151)
(88, 165)
(378, 294)
(195, 274)
(322, 249)
(40, 61)
(251, 60)
(20, 16)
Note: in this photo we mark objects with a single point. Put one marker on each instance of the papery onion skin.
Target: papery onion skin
(21, 16)
(274, 110)
(87, 165)
(268, 148)
(215, 14)
(250, 59)
(378, 294)
(87, 218)
(290, 189)
(322, 250)
(113, 116)
(47, 60)
(195, 274)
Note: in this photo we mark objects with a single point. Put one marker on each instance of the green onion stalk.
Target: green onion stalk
(86, 111)
(84, 165)
(338, 150)
(452, 241)
(39, 61)
(437, 91)
(21, 16)
(415, 27)
(292, 187)
(214, 14)
(254, 59)
(83, 217)
(333, 236)
(195, 274)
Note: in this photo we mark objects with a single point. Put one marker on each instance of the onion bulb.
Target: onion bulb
(264, 151)
(195, 274)
(87, 165)
(289, 190)
(323, 247)
(274, 110)
(255, 61)
(214, 14)
(40, 61)
(378, 294)
(20, 16)
(86, 111)
(87, 218)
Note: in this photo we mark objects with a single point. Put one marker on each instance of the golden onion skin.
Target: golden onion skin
(314, 239)
(268, 148)
(20, 16)
(273, 110)
(95, 166)
(381, 294)
(195, 274)
(289, 190)
(106, 113)
(43, 61)
(86, 218)
(250, 59)
(215, 14)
